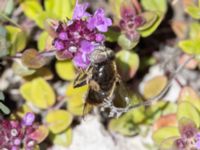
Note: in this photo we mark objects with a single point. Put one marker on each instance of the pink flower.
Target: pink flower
(80, 11)
(77, 38)
(99, 21)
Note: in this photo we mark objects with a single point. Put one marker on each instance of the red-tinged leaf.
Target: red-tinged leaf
(166, 120)
(32, 59)
(190, 65)
(40, 134)
(179, 28)
(190, 95)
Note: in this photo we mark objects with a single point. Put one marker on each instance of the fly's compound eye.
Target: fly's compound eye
(101, 54)
(98, 57)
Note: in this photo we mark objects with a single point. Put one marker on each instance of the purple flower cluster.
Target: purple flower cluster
(192, 142)
(130, 21)
(15, 135)
(77, 38)
(190, 137)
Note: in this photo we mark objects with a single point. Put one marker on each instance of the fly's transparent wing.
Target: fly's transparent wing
(121, 94)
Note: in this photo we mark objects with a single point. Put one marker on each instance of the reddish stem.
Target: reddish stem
(137, 6)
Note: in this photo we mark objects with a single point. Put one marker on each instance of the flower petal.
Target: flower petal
(80, 10)
(99, 21)
(86, 46)
(80, 60)
(28, 119)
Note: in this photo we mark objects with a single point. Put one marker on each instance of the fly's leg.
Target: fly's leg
(82, 78)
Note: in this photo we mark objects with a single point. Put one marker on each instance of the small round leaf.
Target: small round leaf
(32, 59)
(42, 94)
(58, 120)
(163, 133)
(128, 63)
(65, 70)
(187, 110)
(154, 86)
(40, 134)
(63, 139)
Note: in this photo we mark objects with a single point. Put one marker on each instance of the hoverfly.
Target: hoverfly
(103, 79)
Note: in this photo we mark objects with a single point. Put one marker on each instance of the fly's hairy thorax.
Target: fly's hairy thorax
(104, 74)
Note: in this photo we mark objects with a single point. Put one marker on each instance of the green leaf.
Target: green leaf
(44, 41)
(9, 7)
(31, 8)
(3, 31)
(112, 35)
(63, 139)
(4, 108)
(62, 9)
(116, 6)
(154, 86)
(150, 19)
(123, 125)
(17, 38)
(138, 115)
(168, 144)
(41, 44)
(21, 69)
(3, 46)
(155, 5)
(38, 92)
(58, 120)
(128, 63)
(3, 42)
(65, 70)
(2, 97)
(188, 94)
(126, 124)
(76, 100)
(126, 43)
(190, 46)
(42, 17)
(158, 109)
(194, 30)
(25, 91)
(42, 94)
(193, 11)
(187, 110)
(151, 29)
(163, 133)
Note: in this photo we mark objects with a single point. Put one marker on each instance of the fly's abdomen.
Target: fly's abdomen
(105, 76)
(94, 97)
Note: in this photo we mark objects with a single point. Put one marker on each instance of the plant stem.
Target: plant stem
(10, 20)
(48, 53)
(163, 92)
